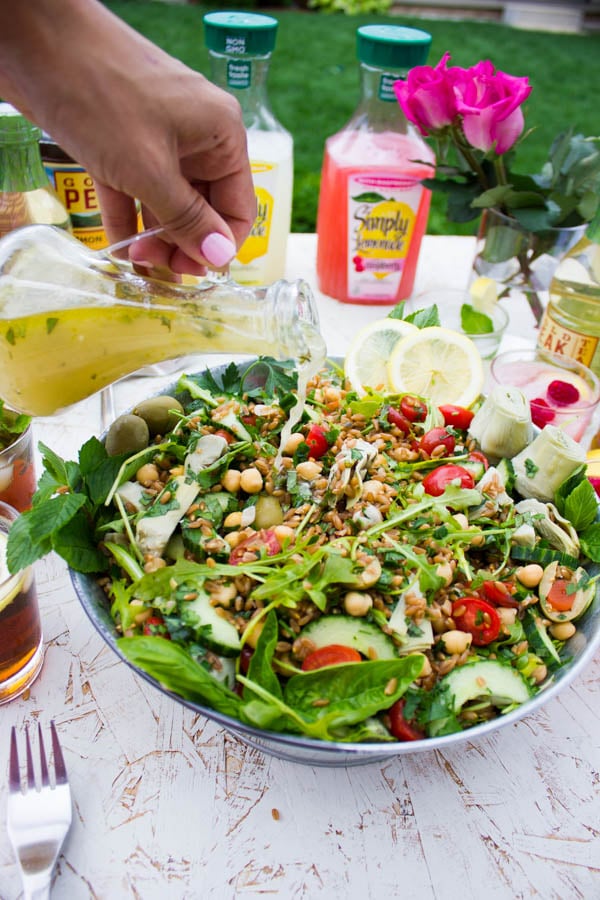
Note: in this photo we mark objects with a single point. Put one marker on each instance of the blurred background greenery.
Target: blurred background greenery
(313, 80)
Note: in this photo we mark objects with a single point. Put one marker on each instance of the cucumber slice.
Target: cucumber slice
(507, 472)
(544, 556)
(365, 637)
(211, 629)
(486, 678)
(476, 468)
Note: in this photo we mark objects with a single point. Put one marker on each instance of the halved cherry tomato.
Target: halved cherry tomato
(155, 625)
(477, 617)
(400, 728)
(436, 481)
(251, 548)
(456, 416)
(248, 419)
(395, 417)
(226, 435)
(435, 437)
(330, 655)
(478, 456)
(500, 593)
(413, 408)
(560, 597)
(317, 442)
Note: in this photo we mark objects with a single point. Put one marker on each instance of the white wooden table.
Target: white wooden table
(168, 806)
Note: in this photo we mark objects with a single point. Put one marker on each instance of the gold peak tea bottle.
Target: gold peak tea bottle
(240, 47)
(26, 196)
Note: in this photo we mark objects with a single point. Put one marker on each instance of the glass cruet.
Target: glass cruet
(73, 320)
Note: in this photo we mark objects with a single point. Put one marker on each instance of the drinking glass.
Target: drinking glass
(449, 303)
(17, 471)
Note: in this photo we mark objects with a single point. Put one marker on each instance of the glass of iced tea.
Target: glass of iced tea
(21, 645)
(17, 471)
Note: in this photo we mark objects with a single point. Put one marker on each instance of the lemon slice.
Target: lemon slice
(10, 586)
(484, 294)
(366, 361)
(437, 363)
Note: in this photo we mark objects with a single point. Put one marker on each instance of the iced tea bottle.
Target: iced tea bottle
(372, 207)
(240, 47)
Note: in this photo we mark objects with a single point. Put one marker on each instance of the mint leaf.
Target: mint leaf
(424, 318)
(590, 542)
(474, 322)
(580, 507)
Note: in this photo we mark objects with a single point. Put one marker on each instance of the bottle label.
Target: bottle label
(386, 88)
(239, 74)
(382, 211)
(566, 342)
(77, 191)
(256, 245)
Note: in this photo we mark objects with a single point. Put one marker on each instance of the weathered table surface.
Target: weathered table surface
(168, 805)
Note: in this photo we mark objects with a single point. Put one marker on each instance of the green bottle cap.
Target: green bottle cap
(392, 46)
(15, 128)
(238, 34)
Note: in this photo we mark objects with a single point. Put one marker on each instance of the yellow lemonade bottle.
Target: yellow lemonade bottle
(240, 47)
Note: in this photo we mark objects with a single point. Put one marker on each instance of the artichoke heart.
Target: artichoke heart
(542, 467)
(502, 425)
(550, 525)
(348, 471)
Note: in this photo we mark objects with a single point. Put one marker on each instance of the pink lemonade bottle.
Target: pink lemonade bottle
(372, 207)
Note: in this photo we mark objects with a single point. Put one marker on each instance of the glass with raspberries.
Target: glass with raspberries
(560, 390)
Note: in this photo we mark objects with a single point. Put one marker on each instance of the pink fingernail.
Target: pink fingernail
(217, 249)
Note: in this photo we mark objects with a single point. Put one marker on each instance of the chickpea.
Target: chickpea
(445, 571)
(461, 520)
(507, 616)
(357, 603)
(456, 641)
(231, 481)
(233, 520)
(284, 534)
(223, 594)
(154, 563)
(147, 474)
(251, 481)
(308, 470)
(539, 673)
(371, 573)
(562, 631)
(530, 576)
(254, 631)
(292, 443)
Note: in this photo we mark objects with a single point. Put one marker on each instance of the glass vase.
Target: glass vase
(519, 260)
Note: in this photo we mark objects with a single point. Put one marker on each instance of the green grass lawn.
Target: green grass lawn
(313, 83)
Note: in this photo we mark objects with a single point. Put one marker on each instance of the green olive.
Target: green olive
(158, 413)
(127, 434)
(268, 512)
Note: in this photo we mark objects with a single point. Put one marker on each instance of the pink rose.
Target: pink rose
(489, 104)
(427, 98)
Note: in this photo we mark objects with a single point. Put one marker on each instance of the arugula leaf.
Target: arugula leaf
(169, 664)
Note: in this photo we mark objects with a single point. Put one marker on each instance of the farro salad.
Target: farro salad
(390, 571)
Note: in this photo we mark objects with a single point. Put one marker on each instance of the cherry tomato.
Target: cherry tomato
(478, 456)
(435, 437)
(456, 416)
(330, 655)
(317, 442)
(226, 435)
(500, 593)
(559, 597)
(413, 408)
(395, 417)
(400, 728)
(155, 625)
(477, 617)
(248, 419)
(436, 481)
(252, 547)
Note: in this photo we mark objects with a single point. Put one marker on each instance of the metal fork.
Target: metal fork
(39, 817)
